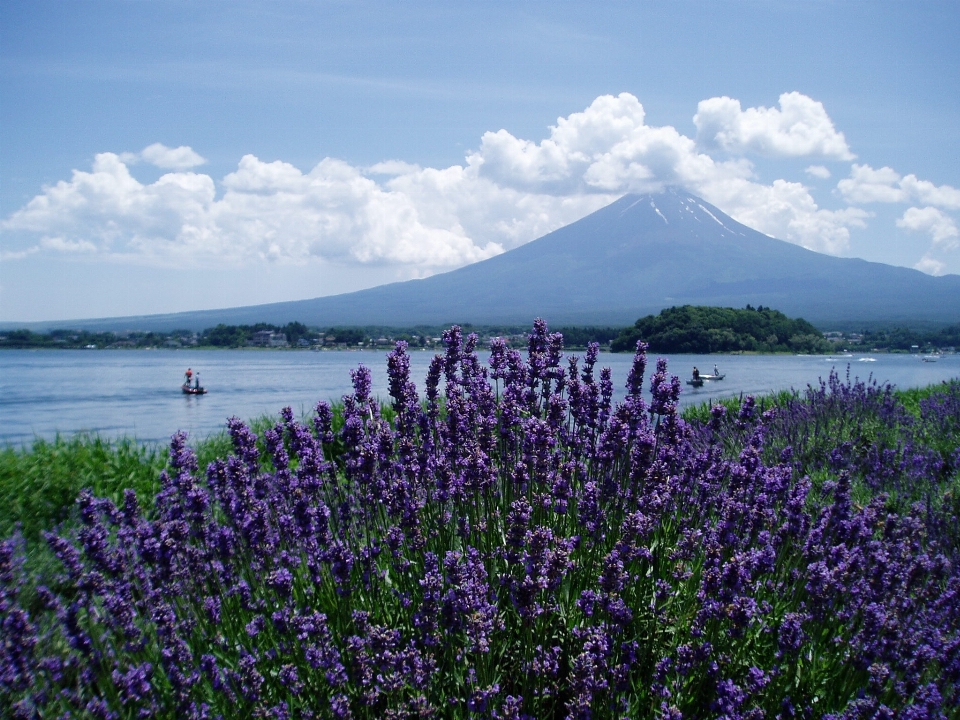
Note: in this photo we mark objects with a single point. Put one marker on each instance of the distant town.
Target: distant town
(292, 336)
(297, 336)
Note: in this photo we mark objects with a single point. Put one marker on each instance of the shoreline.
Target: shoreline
(388, 348)
(690, 411)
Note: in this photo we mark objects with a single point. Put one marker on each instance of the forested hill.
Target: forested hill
(702, 329)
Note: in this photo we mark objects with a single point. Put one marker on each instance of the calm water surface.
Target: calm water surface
(137, 392)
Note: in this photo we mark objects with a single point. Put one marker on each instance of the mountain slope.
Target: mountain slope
(634, 257)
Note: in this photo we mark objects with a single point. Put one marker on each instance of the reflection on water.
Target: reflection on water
(137, 393)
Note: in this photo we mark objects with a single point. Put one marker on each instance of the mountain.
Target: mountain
(632, 258)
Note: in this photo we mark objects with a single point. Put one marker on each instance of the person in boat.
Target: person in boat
(715, 371)
(187, 375)
(196, 380)
(696, 373)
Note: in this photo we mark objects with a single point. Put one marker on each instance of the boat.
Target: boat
(929, 358)
(190, 390)
(712, 377)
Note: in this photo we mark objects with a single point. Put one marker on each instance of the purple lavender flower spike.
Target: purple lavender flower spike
(637, 370)
(362, 382)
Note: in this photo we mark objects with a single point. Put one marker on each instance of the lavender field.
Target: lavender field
(522, 549)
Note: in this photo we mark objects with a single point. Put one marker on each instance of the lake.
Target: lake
(137, 392)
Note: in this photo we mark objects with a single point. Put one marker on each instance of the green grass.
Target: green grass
(701, 413)
(911, 398)
(39, 484)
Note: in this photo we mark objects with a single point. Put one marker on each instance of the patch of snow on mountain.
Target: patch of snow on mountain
(657, 210)
(714, 217)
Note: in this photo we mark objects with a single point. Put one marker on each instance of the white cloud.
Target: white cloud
(930, 265)
(507, 192)
(606, 148)
(941, 227)
(18, 254)
(926, 192)
(818, 171)
(866, 185)
(801, 127)
(392, 167)
(178, 158)
(942, 231)
(269, 211)
(68, 246)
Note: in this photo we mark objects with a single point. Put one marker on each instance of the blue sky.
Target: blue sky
(166, 156)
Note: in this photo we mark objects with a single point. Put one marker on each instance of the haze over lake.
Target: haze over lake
(137, 393)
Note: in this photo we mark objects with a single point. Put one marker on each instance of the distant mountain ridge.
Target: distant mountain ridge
(634, 257)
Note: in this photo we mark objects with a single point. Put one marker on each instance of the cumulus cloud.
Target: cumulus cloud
(866, 185)
(165, 158)
(926, 192)
(18, 254)
(800, 127)
(68, 246)
(818, 171)
(886, 185)
(393, 167)
(942, 231)
(507, 192)
(930, 265)
(268, 211)
(941, 227)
